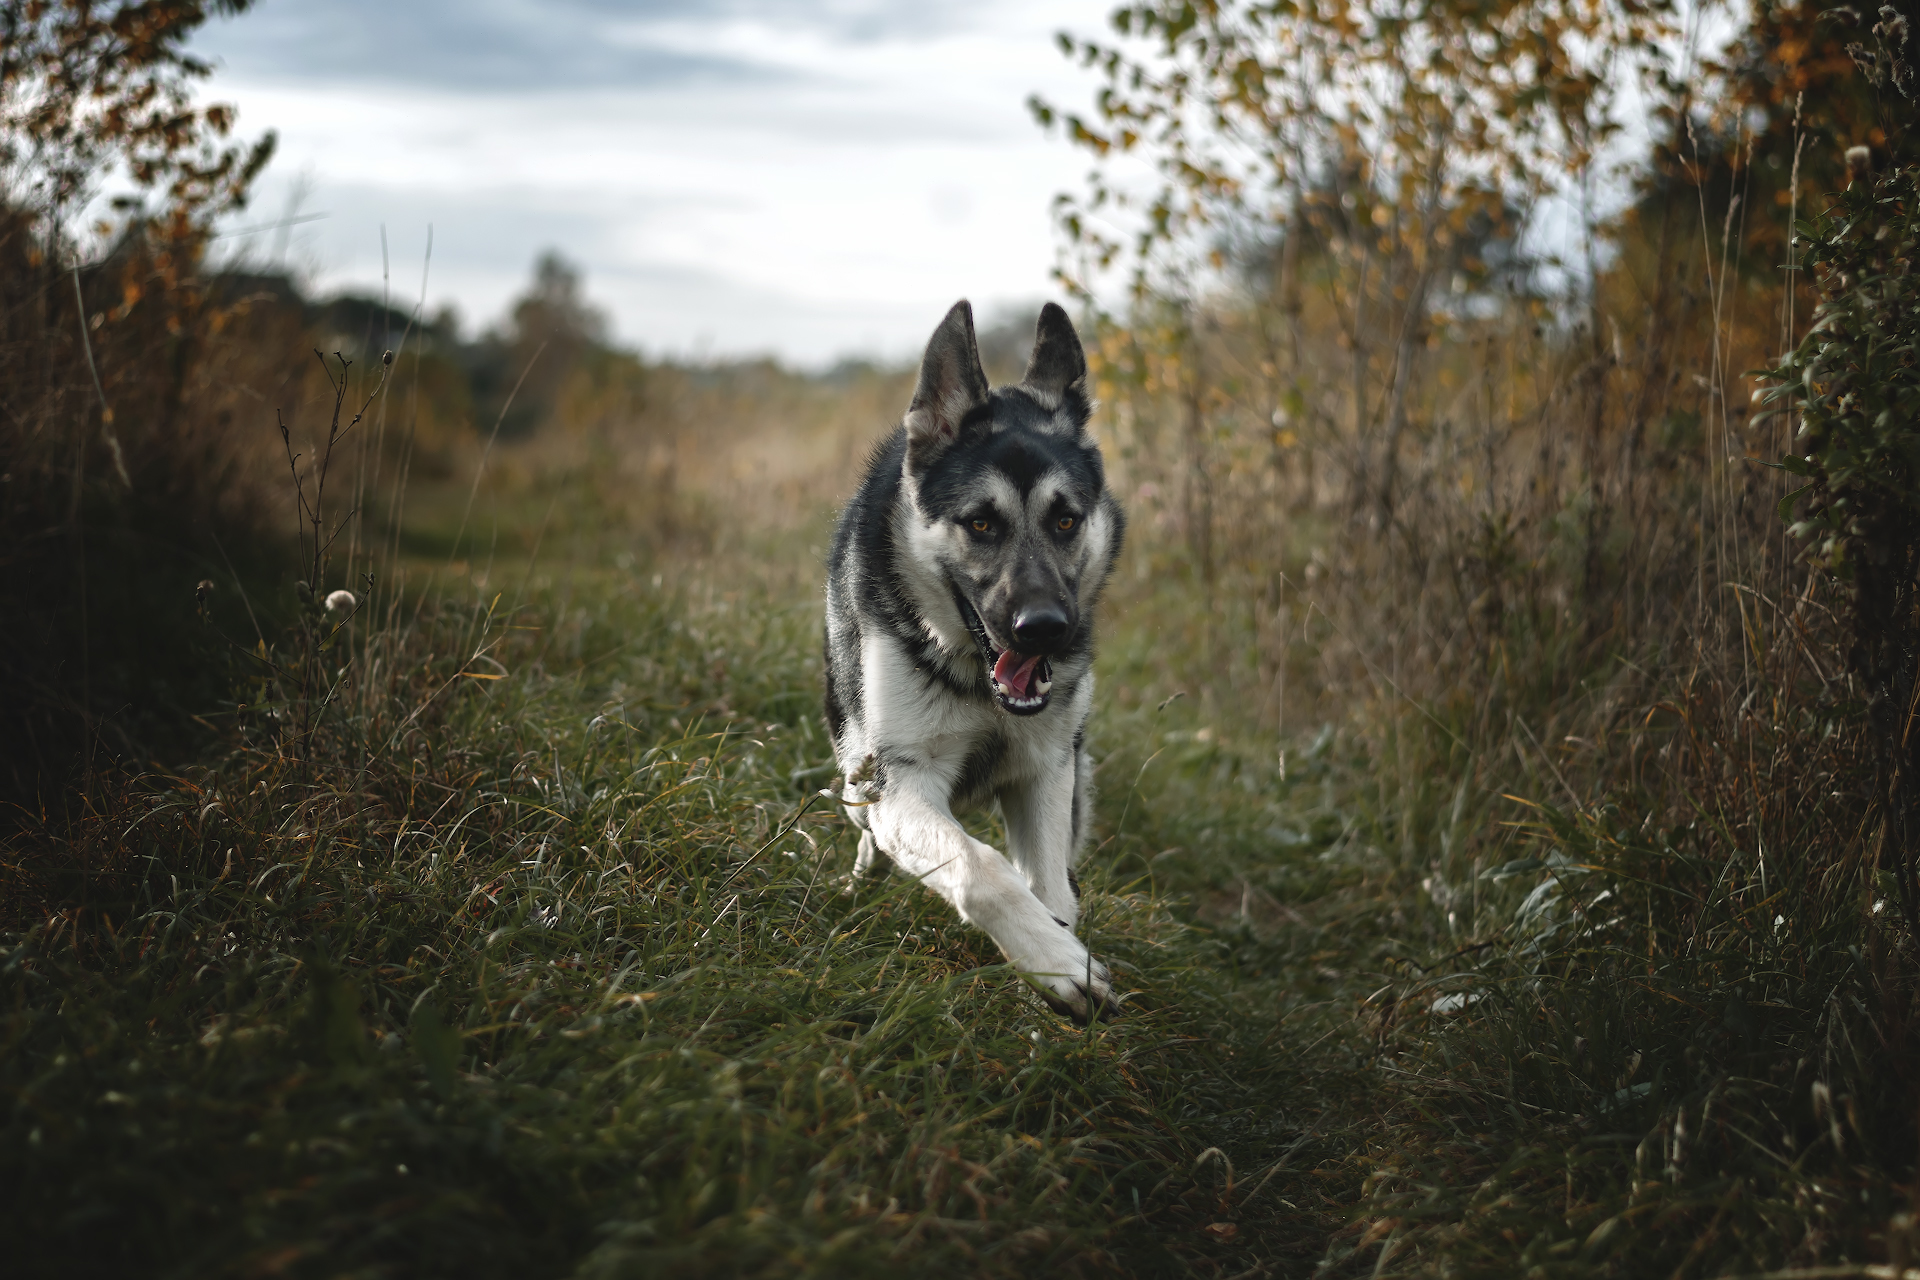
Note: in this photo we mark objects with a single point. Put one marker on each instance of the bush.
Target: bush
(1854, 382)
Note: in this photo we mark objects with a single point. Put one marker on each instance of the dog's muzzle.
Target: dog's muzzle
(1021, 683)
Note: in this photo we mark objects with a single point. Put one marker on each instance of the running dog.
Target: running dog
(959, 649)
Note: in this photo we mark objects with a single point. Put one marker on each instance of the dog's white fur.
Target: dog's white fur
(1026, 906)
(1032, 912)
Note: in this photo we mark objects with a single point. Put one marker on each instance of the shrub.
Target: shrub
(1854, 383)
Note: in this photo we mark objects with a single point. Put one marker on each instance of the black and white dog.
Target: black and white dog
(960, 596)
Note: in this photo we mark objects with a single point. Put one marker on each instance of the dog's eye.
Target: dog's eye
(983, 526)
(1064, 524)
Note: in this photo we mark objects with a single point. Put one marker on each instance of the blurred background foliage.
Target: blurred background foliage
(1507, 822)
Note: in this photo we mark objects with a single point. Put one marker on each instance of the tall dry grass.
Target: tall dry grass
(1475, 656)
(135, 466)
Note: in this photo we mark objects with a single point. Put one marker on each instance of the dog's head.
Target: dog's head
(1010, 500)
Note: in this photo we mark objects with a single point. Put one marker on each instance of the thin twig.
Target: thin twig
(480, 469)
(106, 410)
(778, 836)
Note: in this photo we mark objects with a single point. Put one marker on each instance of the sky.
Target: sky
(808, 179)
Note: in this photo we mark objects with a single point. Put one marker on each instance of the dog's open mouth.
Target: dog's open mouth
(1022, 683)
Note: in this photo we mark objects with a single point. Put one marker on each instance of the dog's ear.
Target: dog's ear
(952, 386)
(1058, 364)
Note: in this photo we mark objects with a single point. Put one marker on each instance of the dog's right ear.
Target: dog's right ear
(952, 387)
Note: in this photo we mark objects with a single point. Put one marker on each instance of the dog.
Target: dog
(961, 587)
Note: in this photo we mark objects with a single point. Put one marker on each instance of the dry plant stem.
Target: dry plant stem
(1791, 290)
(1362, 358)
(106, 410)
(363, 481)
(315, 542)
(1411, 318)
(480, 468)
(1199, 484)
(398, 500)
(367, 477)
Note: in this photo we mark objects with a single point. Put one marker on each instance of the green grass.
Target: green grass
(556, 977)
(558, 973)
(1489, 1025)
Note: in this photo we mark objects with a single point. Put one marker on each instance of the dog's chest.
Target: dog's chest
(998, 753)
(971, 746)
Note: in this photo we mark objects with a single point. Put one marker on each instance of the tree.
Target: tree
(1416, 130)
(87, 86)
(520, 376)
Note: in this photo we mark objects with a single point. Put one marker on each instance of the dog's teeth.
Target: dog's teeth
(1043, 686)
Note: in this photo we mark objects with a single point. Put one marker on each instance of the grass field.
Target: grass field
(538, 957)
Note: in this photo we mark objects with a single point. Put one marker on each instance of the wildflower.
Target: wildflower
(341, 602)
(1859, 163)
(1892, 27)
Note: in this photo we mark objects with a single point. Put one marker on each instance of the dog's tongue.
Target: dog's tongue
(1014, 673)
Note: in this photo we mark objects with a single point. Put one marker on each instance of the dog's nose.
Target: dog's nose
(1039, 628)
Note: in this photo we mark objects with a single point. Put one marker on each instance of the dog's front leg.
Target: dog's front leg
(1039, 814)
(913, 825)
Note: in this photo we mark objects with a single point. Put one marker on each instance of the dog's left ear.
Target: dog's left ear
(1058, 364)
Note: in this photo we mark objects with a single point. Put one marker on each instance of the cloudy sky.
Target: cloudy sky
(808, 178)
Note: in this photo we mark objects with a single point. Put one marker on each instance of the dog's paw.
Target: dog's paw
(1085, 996)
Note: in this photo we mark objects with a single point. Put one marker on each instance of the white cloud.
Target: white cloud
(805, 180)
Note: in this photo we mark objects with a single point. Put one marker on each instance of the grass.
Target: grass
(567, 980)
(545, 963)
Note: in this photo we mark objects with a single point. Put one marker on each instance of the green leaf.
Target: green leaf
(1786, 504)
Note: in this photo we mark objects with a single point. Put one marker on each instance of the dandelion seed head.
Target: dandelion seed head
(341, 602)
